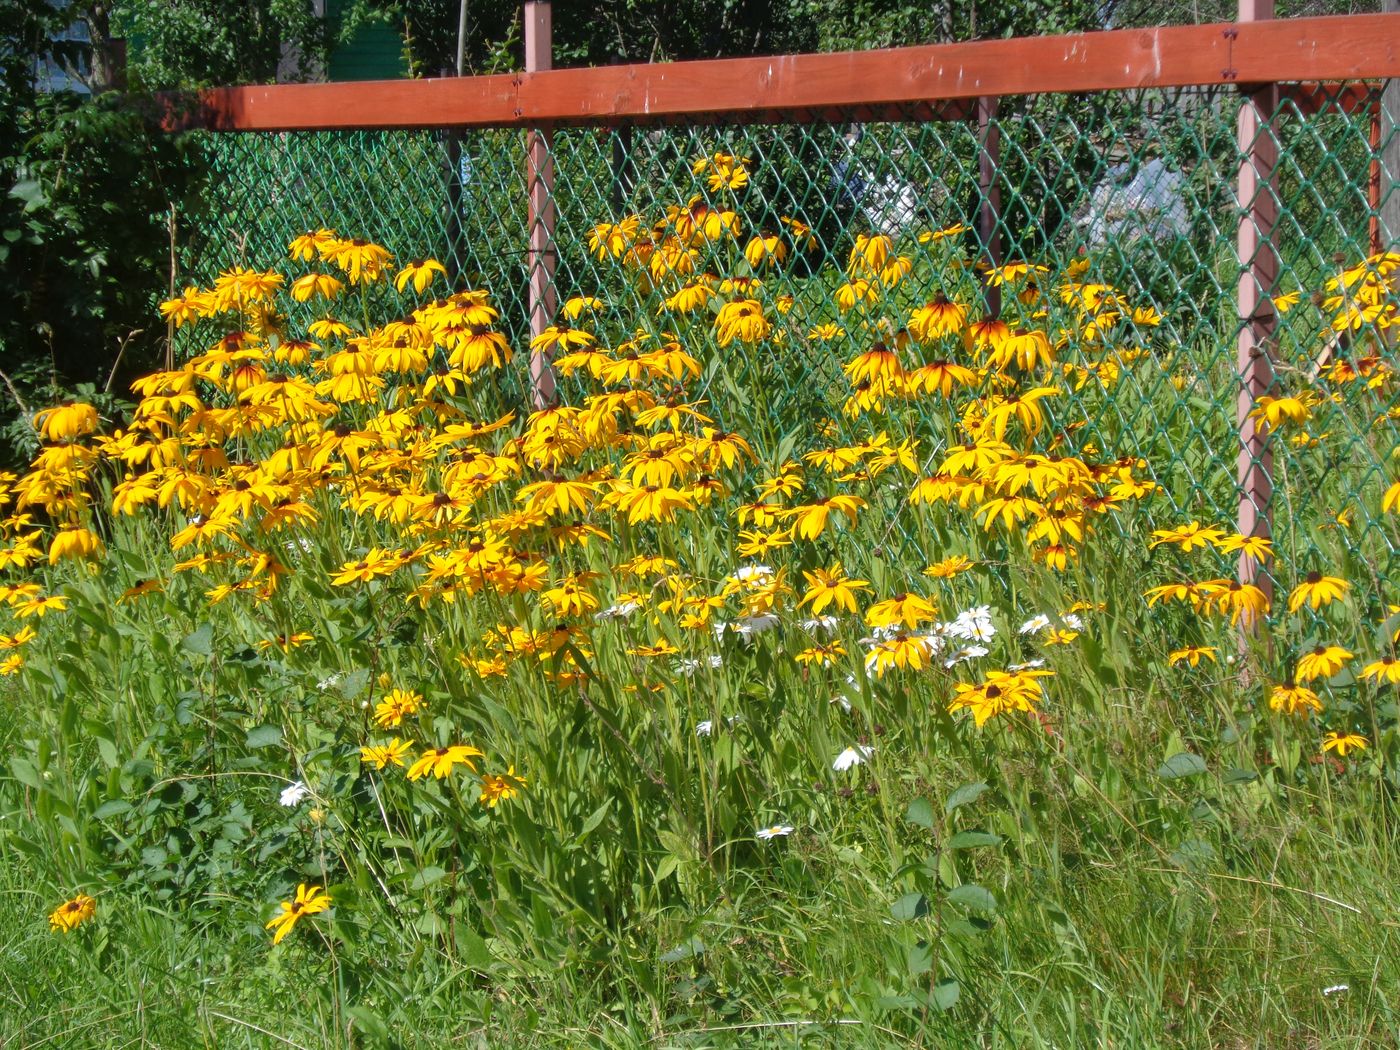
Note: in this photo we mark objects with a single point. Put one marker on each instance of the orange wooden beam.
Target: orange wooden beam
(942, 78)
(1356, 98)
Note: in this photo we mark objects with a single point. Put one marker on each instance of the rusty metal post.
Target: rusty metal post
(989, 194)
(541, 213)
(1259, 266)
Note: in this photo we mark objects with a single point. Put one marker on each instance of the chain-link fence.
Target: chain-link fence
(1108, 221)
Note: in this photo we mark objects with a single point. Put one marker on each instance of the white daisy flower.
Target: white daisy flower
(775, 831)
(748, 626)
(967, 652)
(1027, 666)
(1035, 624)
(293, 793)
(1073, 622)
(689, 667)
(934, 641)
(753, 573)
(620, 611)
(820, 623)
(704, 728)
(852, 756)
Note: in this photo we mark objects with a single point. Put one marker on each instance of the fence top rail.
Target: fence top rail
(940, 78)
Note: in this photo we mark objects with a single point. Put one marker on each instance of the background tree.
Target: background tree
(88, 186)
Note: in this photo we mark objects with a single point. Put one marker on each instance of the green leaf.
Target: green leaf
(473, 949)
(368, 1023)
(24, 771)
(685, 950)
(594, 819)
(666, 868)
(946, 993)
(264, 736)
(965, 794)
(1182, 764)
(970, 895)
(918, 960)
(973, 839)
(201, 641)
(910, 906)
(920, 812)
(115, 808)
(427, 877)
(31, 191)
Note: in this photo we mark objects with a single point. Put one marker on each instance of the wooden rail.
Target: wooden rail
(943, 81)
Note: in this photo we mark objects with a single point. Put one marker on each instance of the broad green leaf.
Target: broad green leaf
(910, 906)
(1183, 764)
(973, 839)
(946, 993)
(965, 794)
(200, 642)
(970, 895)
(920, 812)
(264, 736)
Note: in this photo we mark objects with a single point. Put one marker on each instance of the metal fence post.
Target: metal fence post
(989, 194)
(541, 214)
(1259, 266)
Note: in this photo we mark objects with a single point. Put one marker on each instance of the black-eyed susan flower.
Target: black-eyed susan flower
(1188, 537)
(39, 606)
(938, 317)
(286, 642)
(74, 542)
(767, 249)
(376, 562)
(810, 519)
(316, 285)
(71, 914)
(831, 587)
(939, 377)
(1257, 548)
(742, 320)
(140, 589)
(1192, 655)
(1341, 744)
(949, 567)
(908, 609)
(309, 900)
(20, 638)
(902, 650)
(1316, 590)
(382, 755)
(1322, 662)
(362, 261)
(420, 272)
(308, 246)
(821, 655)
(1242, 601)
(439, 761)
(500, 787)
(397, 705)
(64, 422)
(611, 240)
(1384, 671)
(1000, 693)
(1293, 699)
(561, 339)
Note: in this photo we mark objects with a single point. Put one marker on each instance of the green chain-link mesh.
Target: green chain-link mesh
(1141, 185)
